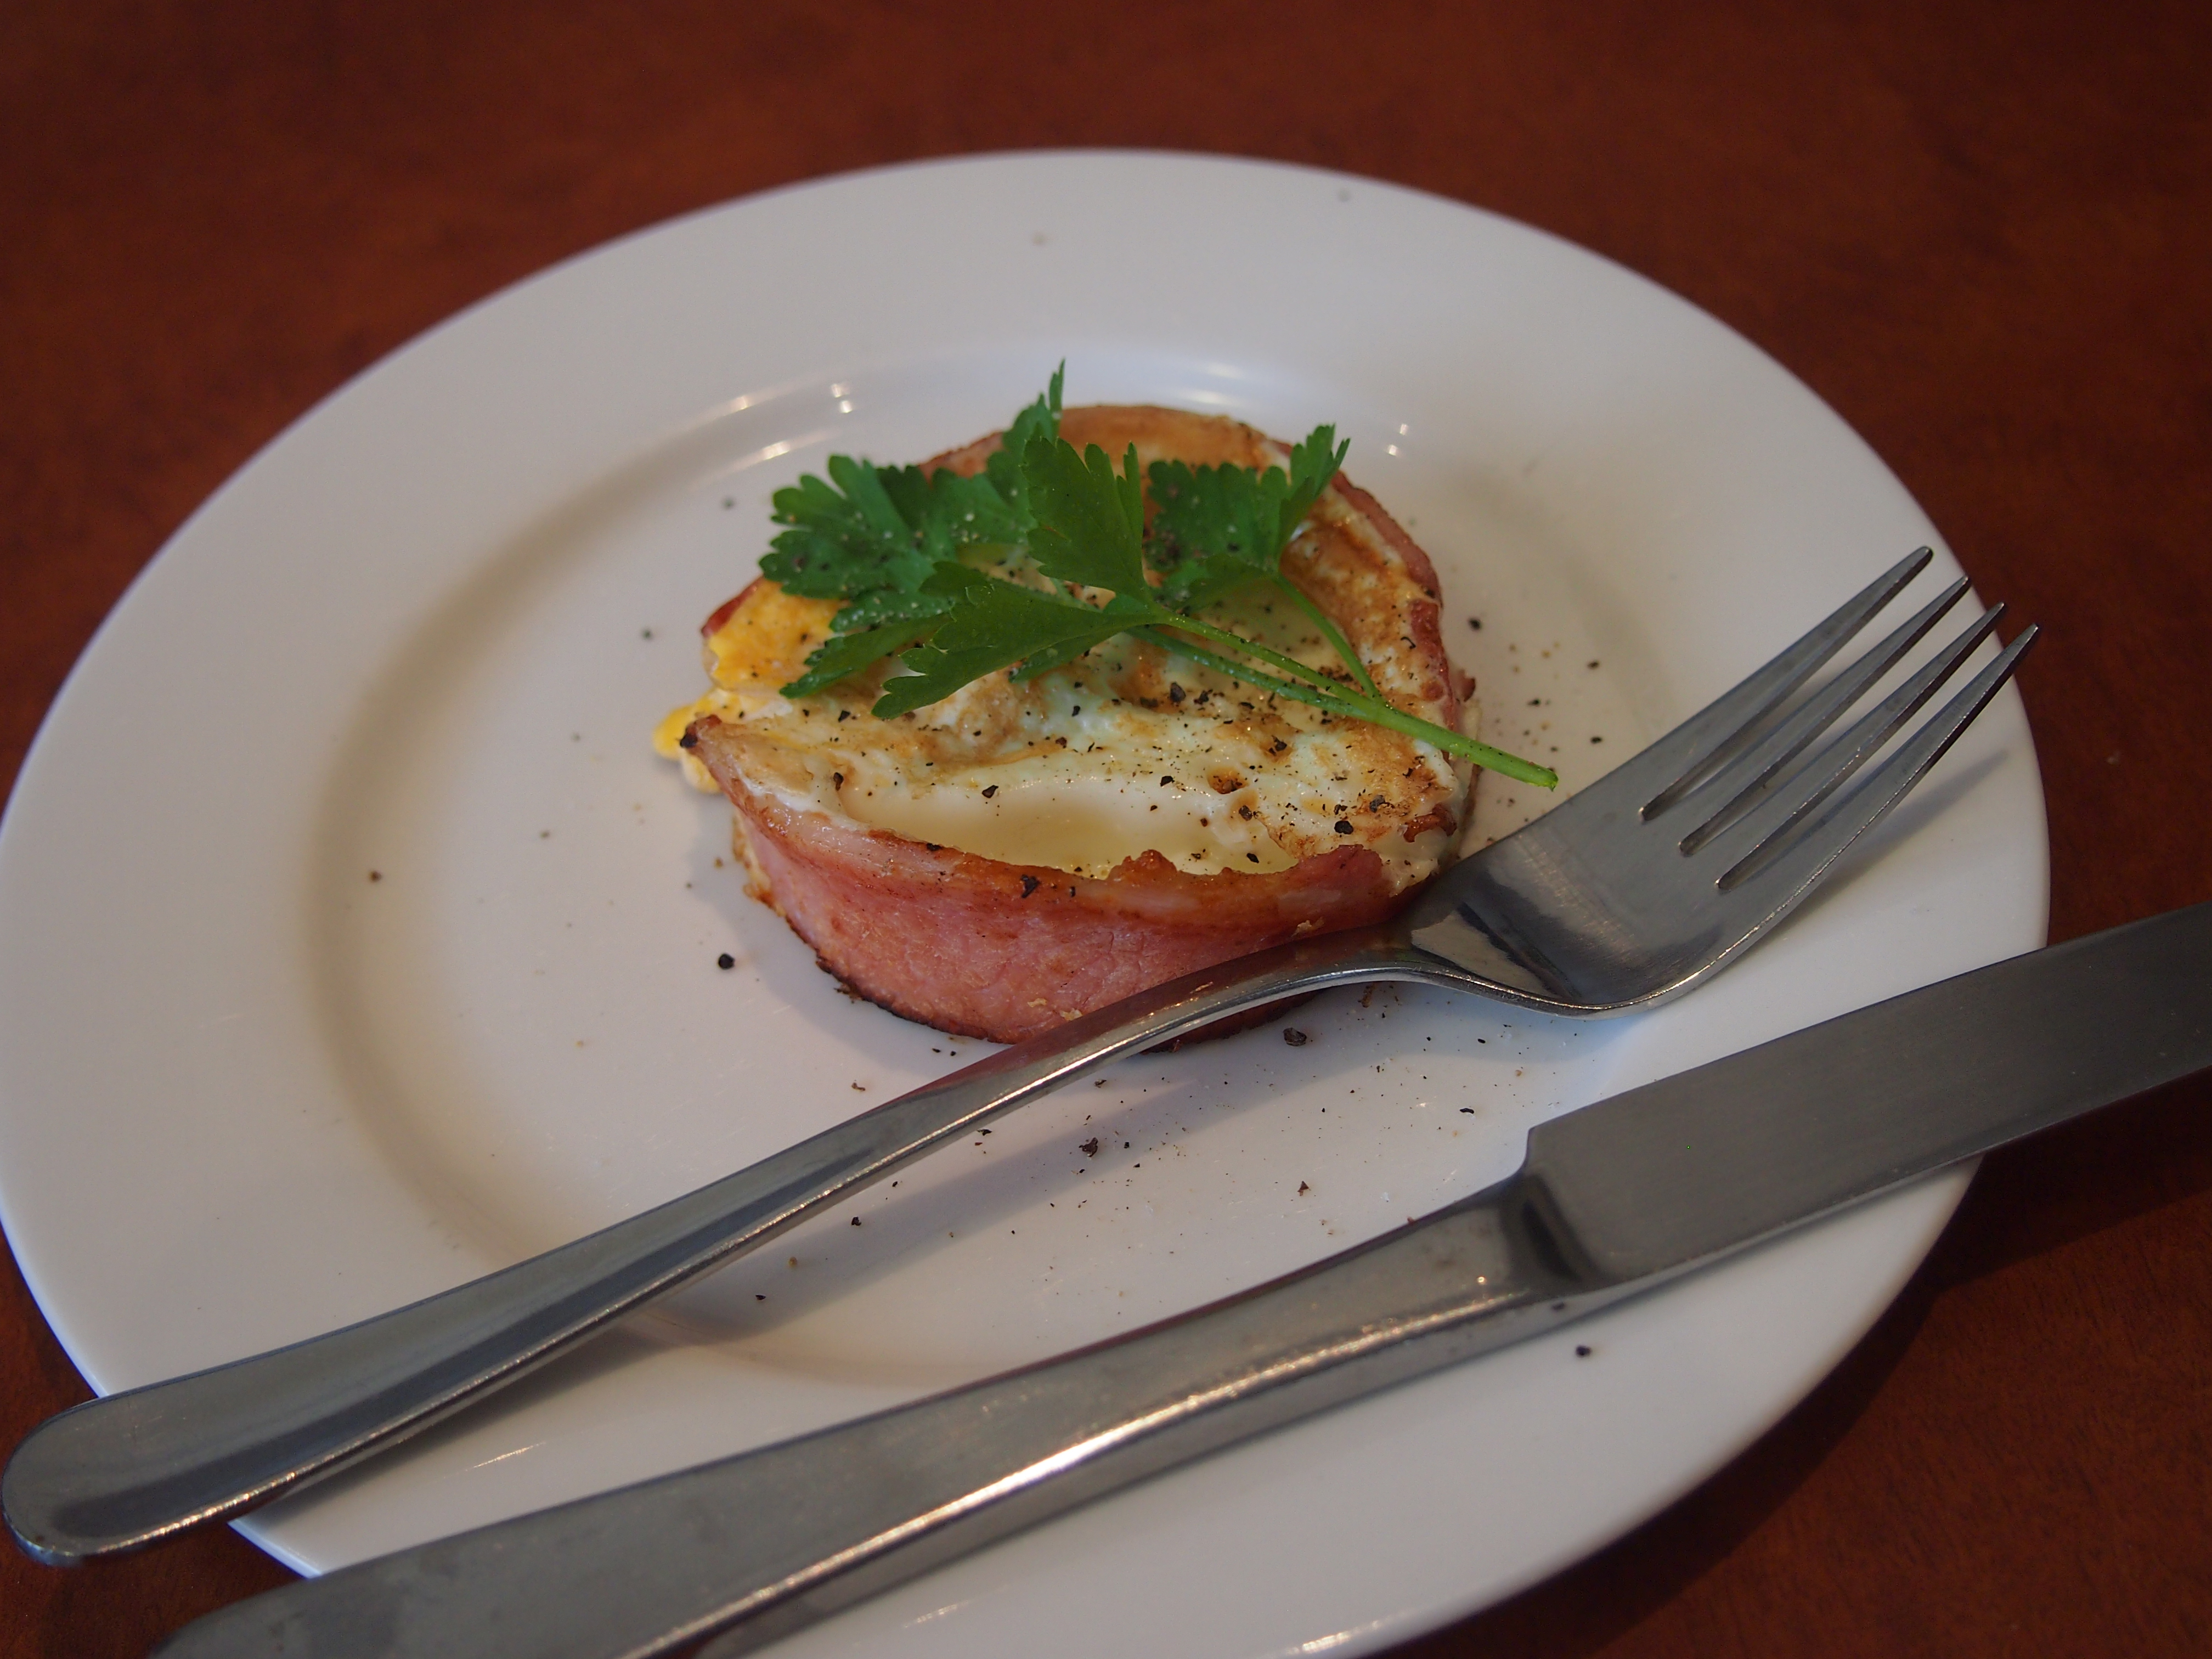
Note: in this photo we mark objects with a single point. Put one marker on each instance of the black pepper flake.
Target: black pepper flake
(1166, 783)
(1475, 622)
(1374, 806)
(688, 740)
(725, 961)
(1088, 1148)
(990, 790)
(1029, 885)
(932, 847)
(1175, 693)
(1295, 1037)
(856, 1221)
(1344, 826)
(1303, 1189)
(1076, 710)
(844, 714)
(1582, 1351)
(1251, 858)
(1597, 739)
(1469, 1110)
(836, 780)
(1592, 662)
(1277, 747)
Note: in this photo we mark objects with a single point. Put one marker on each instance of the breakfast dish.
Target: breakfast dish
(1029, 846)
(474, 578)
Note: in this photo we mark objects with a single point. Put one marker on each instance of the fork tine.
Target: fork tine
(1720, 731)
(1797, 795)
(1799, 861)
(1742, 784)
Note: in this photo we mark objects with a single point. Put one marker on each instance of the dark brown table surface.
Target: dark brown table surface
(1984, 233)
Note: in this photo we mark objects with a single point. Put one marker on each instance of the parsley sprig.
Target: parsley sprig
(914, 556)
(1215, 528)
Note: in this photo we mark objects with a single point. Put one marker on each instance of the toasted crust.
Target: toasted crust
(996, 948)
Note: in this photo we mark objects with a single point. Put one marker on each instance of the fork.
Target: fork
(1623, 896)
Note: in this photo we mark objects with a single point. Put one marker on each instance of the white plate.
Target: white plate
(248, 1092)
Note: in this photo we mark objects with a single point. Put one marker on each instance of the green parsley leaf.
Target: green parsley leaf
(1004, 468)
(888, 605)
(1313, 464)
(1090, 523)
(957, 513)
(995, 625)
(1215, 528)
(847, 537)
(1206, 535)
(846, 654)
(1057, 656)
(874, 528)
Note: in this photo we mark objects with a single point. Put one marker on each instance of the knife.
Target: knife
(1609, 1202)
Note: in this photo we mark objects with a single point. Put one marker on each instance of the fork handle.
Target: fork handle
(761, 1544)
(120, 1472)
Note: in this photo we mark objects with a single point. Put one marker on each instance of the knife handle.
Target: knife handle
(758, 1545)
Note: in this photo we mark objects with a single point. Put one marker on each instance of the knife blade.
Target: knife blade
(1610, 1201)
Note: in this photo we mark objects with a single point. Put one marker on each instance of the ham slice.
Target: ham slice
(987, 949)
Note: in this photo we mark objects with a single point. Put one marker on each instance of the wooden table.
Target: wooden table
(1984, 237)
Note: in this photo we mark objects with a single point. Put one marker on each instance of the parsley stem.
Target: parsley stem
(1330, 632)
(1353, 706)
(1235, 642)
